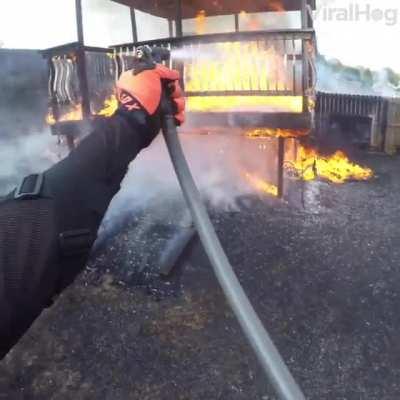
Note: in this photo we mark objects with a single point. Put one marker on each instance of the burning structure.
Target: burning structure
(245, 74)
(241, 70)
(332, 276)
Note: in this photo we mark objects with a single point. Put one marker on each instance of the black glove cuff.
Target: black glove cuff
(144, 125)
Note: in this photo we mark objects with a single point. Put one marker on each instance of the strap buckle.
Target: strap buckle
(76, 242)
(30, 187)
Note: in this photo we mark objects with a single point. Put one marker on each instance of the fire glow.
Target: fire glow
(292, 104)
(235, 66)
(267, 132)
(261, 184)
(109, 107)
(336, 168)
(251, 66)
(308, 163)
(75, 114)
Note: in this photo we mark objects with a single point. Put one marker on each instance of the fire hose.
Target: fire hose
(271, 361)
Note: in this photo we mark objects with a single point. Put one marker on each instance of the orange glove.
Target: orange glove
(144, 90)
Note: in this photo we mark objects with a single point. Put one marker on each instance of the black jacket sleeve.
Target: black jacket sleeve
(45, 242)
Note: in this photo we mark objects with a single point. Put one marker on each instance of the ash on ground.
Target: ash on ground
(323, 275)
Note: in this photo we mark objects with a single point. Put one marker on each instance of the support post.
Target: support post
(83, 82)
(53, 100)
(179, 28)
(237, 25)
(171, 27)
(134, 26)
(281, 161)
(179, 65)
(79, 21)
(305, 70)
(304, 14)
(81, 62)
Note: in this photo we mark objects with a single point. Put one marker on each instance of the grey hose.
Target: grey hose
(267, 354)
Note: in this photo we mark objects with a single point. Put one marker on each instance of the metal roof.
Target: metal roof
(191, 8)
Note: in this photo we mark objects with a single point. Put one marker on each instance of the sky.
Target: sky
(357, 32)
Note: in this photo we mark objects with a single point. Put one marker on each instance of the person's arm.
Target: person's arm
(45, 239)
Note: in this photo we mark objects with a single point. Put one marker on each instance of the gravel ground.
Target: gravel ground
(323, 277)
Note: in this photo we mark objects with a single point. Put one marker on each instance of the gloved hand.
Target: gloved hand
(143, 92)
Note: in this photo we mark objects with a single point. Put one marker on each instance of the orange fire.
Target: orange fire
(252, 22)
(261, 184)
(75, 114)
(335, 168)
(109, 108)
(238, 66)
(306, 162)
(292, 104)
(269, 132)
(201, 22)
(276, 5)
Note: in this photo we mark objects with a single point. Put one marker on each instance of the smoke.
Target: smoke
(25, 141)
(25, 155)
(335, 77)
(218, 161)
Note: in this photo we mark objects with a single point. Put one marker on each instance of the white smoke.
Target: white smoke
(24, 155)
(334, 77)
(218, 162)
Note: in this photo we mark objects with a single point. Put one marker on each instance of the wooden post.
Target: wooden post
(134, 25)
(281, 161)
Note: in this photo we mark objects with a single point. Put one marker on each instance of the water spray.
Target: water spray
(273, 365)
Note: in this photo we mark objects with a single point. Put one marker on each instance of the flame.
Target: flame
(292, 104)
(335, 168)
(50, 120)
(306, 162)
(269, 132)
(234, 66)
(276, 5)
(75, 114)
(109, 107)
(201, 22)
(252, 22)
(261, 184)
